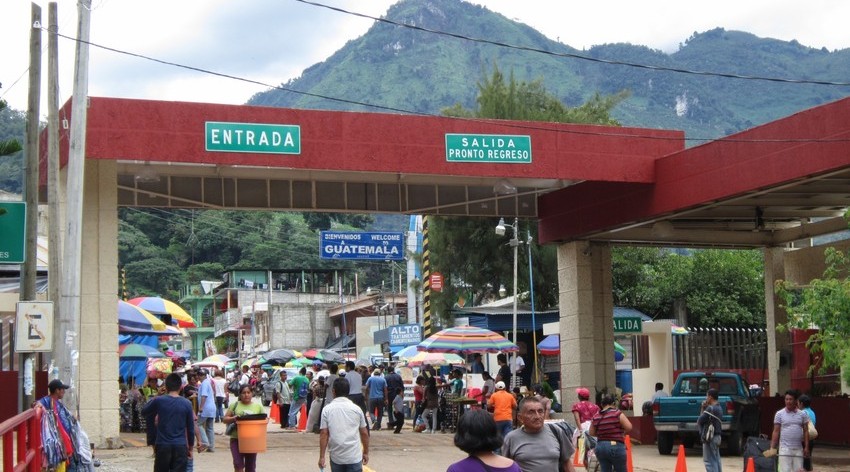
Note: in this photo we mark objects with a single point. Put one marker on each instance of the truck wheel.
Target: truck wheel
(735, 443)
(665, 443)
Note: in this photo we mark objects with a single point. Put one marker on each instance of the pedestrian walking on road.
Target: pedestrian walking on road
(536, 447)
(791, 434)
(610, 427)
(175, 427)
(503, 405)
(206, 411)
(478, 436)
(242, 462)
(299, 386)
(284, 399)
(709, 422)
(377, 388)
(342, 433)
(398, 409)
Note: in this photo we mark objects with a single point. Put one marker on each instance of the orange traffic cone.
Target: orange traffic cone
(751, 465)
(629, 466)
(302, 418)
(681, 464)
(274, 413)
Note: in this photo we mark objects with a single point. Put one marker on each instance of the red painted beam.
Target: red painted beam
(812, 142)
(161, 131)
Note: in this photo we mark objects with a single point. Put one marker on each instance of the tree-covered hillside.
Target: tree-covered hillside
(419, 71)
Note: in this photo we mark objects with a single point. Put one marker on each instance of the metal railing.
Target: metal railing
(22, 442)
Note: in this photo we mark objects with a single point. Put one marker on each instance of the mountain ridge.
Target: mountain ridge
(422, 72)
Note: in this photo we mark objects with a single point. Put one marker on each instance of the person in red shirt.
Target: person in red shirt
(583, 409)
(610, 427)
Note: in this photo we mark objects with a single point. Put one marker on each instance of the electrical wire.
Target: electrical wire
(503, 123)
(576, 56)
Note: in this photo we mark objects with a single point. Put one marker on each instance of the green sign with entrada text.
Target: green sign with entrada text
(500, 148)
(628, 324)
(252, 137)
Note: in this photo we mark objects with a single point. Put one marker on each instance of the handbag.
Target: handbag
(813, 433)
(231, 428)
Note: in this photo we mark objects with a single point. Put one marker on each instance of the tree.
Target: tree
(473, 259)
(824, 303)
(8, 146)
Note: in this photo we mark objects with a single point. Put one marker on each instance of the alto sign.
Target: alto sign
(405, 335)
(252, 137)
(498, 148)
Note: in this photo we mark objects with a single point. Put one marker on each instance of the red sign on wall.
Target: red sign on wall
(437, 282)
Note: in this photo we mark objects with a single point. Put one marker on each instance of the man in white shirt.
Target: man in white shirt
(342, 432)
(219, 386)
(791, 434)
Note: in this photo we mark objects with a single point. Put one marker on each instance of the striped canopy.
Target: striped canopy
(467, 340)
(435, 359)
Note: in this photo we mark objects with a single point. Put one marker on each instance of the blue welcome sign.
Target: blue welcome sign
(353, 245)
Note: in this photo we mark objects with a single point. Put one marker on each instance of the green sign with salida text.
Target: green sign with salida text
(13, 218)
(500, 148)
(252, 137)
(628, 324)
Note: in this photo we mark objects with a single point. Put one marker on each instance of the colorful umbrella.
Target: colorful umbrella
(467, 340)
(619, 352)
(407, 352)
(251, 362)
(138, 351)
(300, 362)
(677, 330)
(215, 360)
(324, 355)
(133, 317)
(279, 356)
(435, 359)
(161, 306)
(551, 346)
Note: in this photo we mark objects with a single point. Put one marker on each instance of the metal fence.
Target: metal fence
(720, 348)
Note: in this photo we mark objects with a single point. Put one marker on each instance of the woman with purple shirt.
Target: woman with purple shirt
(478, 436)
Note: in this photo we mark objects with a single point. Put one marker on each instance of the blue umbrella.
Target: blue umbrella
(407, 352)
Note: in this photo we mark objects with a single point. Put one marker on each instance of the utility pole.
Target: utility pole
(67, 342)
(54, 209)
(31, 197)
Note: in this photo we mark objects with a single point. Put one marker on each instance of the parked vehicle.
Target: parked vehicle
(675, 417)
(269, 385)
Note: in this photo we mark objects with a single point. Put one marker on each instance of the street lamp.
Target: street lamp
(514, 243)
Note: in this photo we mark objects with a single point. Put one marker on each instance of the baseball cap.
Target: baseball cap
(56, 384)
(500, 385)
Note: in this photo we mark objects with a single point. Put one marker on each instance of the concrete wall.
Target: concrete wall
(298, 326)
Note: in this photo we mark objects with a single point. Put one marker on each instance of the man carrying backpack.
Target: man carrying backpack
(709, 431)
(299, 386)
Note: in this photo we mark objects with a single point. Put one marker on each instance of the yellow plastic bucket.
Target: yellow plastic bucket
(252, 435)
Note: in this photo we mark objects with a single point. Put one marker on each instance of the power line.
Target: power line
(577, 56)
(503, 123)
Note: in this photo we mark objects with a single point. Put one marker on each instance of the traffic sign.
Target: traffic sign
(501, 148)
(437, 282)
(13, 218)
(252, 137)
(348, 245)
(628, 324)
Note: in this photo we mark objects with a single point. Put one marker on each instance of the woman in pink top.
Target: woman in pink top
(583, 409)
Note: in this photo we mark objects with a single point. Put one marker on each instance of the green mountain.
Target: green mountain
(418, 71)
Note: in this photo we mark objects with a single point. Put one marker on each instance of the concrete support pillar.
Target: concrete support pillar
(99, 315)
(778, 344)
(587, 318)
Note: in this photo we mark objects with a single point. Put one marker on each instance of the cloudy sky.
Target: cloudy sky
(272, 41)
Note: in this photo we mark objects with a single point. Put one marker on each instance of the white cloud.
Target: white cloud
(272, 41)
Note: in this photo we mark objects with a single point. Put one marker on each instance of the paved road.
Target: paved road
(406, 452)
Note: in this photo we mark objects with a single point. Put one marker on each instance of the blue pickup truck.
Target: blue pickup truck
(675, 417)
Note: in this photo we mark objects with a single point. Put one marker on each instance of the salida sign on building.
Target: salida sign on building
(500, 148)
(628, 324)
(383, 246)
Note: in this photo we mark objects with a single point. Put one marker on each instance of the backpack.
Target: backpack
(707, 434)
(233, 386)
